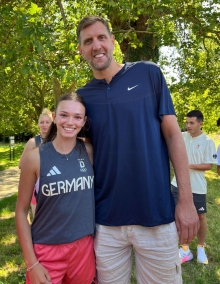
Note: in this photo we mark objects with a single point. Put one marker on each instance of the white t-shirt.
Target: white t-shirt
(200, 150)
(218, 155)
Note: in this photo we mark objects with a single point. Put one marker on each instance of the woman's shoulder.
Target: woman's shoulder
(31, 159)
(33, 154)
(30, 144)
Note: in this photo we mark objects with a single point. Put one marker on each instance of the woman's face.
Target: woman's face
(44, 124)
(69, 118)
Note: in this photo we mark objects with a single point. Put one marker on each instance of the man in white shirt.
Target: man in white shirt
(201, 154)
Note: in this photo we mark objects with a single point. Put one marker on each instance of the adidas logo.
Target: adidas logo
(54, 171)
(201, 209)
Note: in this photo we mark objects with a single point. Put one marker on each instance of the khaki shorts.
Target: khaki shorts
(156, 254)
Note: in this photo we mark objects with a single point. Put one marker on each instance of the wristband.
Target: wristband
(30, 268)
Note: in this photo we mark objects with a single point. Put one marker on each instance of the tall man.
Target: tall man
(133, 129)
(201, 154)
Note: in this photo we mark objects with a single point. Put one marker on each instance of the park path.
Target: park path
(9, 182)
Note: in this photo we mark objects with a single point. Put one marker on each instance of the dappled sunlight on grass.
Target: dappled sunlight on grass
(5, 214)
(211, 175)
(217, 200)
(8, 268)
(8, 240)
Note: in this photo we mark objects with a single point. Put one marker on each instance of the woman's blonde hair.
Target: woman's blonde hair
(46, 111)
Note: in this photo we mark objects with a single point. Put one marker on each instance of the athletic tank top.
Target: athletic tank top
(65, 201)
(38, 140)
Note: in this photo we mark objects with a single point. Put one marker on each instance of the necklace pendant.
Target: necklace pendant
(70, 154)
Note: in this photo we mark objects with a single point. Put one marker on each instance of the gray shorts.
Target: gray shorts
(198, 199)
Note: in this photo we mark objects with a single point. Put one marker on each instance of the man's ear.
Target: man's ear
(80, 50)
(113, 38)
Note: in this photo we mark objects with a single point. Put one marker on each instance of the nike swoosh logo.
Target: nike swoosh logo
(132, 88)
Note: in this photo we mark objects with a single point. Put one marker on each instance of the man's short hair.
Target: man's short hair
(196, 113)
(88, 21)
(218, 122)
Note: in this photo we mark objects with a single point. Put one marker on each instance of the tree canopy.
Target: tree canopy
(39, 59)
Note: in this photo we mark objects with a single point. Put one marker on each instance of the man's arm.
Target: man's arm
(186, 217)
(200, 167)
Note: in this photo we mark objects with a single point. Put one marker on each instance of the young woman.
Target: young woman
(58, 247)
(44, 122)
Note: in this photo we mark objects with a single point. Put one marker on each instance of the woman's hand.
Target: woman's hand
(39, 275)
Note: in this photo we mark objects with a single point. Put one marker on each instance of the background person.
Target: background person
(218, 160)
(133, 127)
(58, 247)
(201, 154)
(218, 152)
(44, 122)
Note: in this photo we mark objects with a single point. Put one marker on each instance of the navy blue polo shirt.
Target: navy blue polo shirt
(131, 164)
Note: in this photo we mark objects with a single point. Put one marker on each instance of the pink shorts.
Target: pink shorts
(33, 199)
(72, 263)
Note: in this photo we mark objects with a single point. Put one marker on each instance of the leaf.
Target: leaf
(34, 9)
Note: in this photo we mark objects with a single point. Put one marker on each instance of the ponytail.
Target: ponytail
(51, 133)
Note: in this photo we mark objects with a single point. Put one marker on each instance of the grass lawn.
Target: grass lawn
(5, 161)
(194, 273)
(12, 269)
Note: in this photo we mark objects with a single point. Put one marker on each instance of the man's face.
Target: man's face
(193, 126)
(96, 46)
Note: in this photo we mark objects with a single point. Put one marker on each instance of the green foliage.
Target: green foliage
(39, 58)
(39, 45)
(186, 100)
(197, 64)
(199, 86)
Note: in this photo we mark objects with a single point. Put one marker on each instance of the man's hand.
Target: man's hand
(187, 221)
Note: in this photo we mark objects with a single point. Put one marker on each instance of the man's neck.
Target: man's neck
(109, 72)
(196, 134)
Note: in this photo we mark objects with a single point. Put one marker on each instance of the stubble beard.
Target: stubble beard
(101, 66)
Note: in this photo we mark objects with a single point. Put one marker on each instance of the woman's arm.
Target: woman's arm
(89, 150)
(29, 146)
(28, 177)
